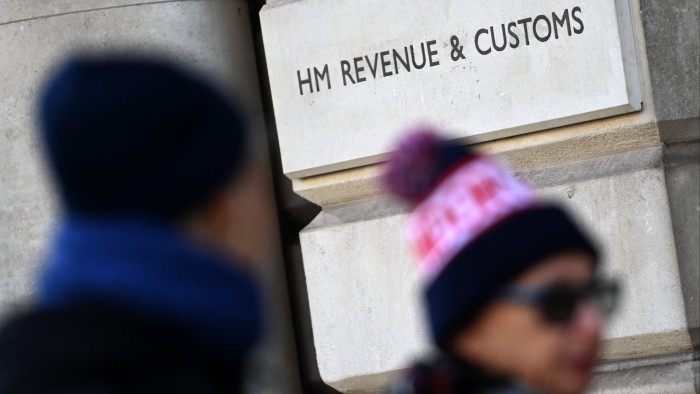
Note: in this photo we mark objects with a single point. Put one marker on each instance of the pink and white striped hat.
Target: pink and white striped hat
(474, 225)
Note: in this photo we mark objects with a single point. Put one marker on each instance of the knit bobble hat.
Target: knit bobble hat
(474, 226)
(138, 136)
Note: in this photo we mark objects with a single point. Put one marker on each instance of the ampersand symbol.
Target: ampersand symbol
(457, 49)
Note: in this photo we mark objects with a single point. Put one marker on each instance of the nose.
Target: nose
(588, 321)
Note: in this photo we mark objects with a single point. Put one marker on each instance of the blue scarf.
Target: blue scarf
(148, 268)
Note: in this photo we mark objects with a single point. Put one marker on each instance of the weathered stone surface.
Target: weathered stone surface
(14, 10)
(673, 52)
(676, 374)
(683, 183)
(359, 91)
(606, 137)
(355, 256)
(630, 215)
(364, 299)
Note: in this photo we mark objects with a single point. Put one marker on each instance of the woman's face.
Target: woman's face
(515, 339)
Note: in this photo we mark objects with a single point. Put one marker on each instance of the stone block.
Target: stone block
(676, 374)
(682, 163)
(16, 10)
(365, 298)
(344, 85)
(673, 53)
(630, 216)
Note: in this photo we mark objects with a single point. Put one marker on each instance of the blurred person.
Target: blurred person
(148, 287)
(514, 301)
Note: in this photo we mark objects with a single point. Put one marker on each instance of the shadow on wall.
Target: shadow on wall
(294, 214)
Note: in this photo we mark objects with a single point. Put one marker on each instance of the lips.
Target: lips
(583, 366)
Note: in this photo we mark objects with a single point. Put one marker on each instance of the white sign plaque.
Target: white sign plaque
(348, 75)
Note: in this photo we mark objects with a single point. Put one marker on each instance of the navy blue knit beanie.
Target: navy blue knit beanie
(473, 224)
(138, 136)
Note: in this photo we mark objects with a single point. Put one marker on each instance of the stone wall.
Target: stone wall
(632, 179)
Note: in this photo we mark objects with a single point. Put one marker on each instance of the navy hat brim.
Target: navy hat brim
(500, 254)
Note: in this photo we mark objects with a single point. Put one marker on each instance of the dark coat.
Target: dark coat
(447, 375)
(100, 350)
(127, 305)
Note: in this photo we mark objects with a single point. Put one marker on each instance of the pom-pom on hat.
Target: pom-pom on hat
(138, 136)
(474, 226)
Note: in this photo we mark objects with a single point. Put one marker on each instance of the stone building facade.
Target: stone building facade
(345, 306)
(345, 79)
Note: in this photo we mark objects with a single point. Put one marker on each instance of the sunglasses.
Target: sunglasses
(558, 303)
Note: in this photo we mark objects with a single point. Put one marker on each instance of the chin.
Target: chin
(576, 382)
(569, 381)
